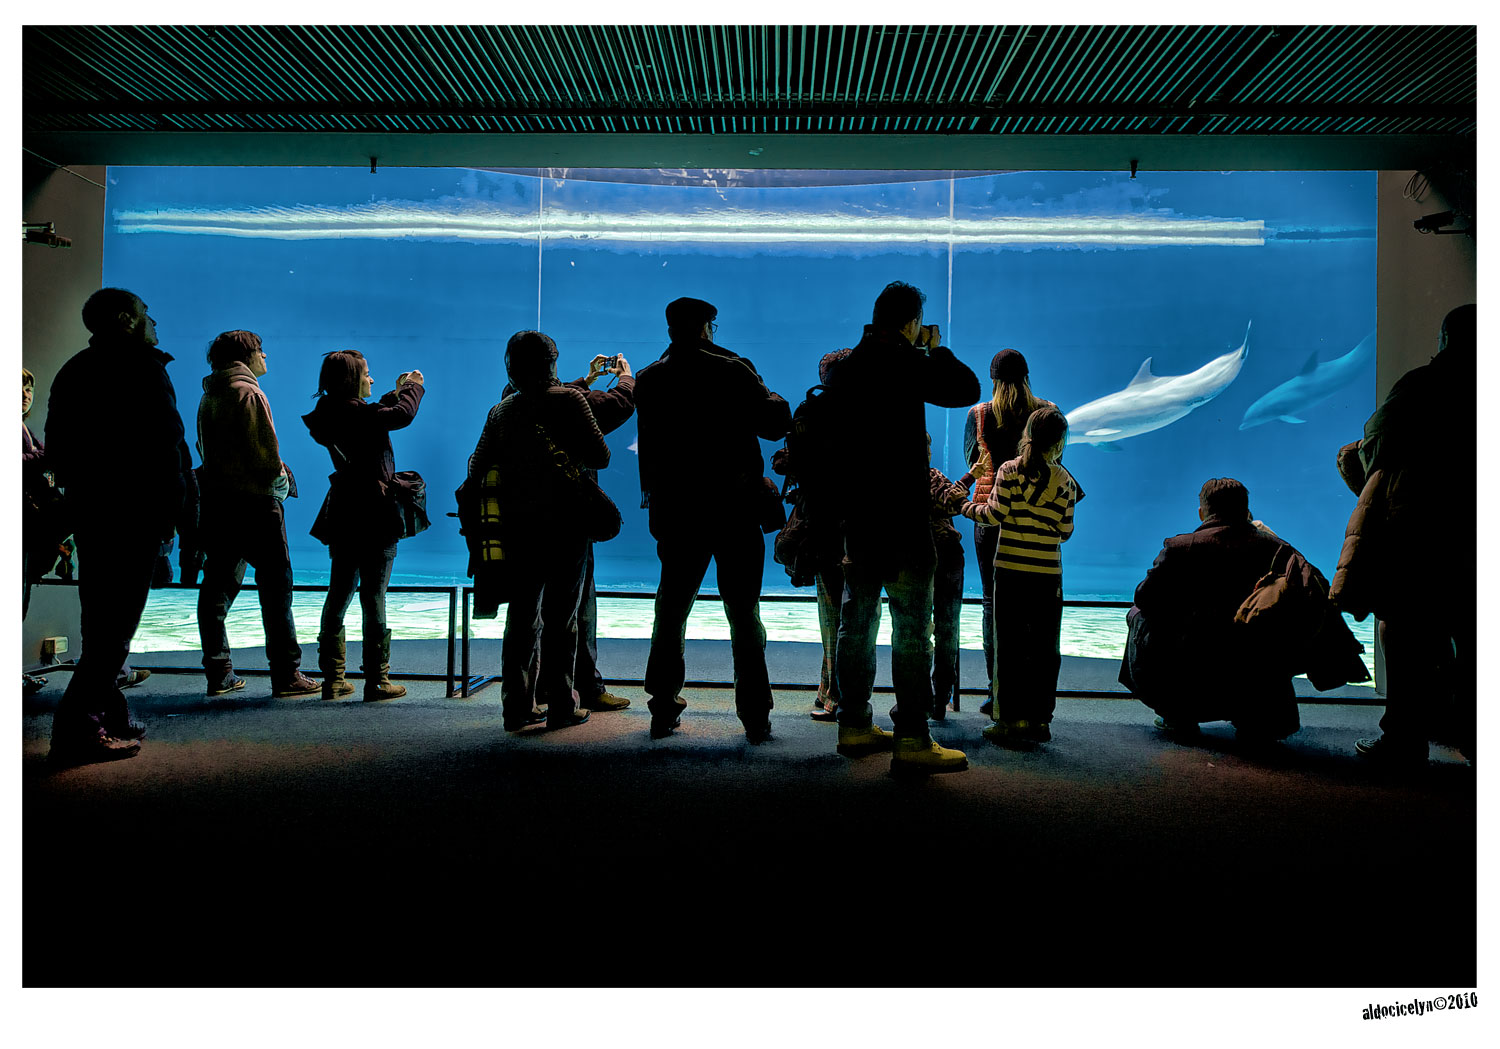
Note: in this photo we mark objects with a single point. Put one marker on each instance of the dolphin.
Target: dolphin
(1153, 401)
(1313, 385)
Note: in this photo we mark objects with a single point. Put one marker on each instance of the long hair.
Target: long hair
(339, 376)
(1042, 442)
(1013, 402)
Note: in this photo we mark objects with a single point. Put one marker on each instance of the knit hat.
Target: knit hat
(825, 366)
(688, 316)
(1007, 366)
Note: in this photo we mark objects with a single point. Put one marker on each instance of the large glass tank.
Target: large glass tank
(1191, 324)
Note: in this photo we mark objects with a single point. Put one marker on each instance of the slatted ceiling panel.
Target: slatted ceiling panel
(713, 79)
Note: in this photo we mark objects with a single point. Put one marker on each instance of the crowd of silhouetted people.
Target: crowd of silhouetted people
(1224, 619)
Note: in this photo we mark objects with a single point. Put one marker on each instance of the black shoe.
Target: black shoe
(987, 708)
(576, 718)
(662, 725)
(758, 733)
(233, 684)
(822, 714)
(536, 717)
(1393, 753)
(91, 751)
(129, 730)
(1180, 729)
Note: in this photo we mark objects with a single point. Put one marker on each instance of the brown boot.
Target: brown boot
(331, 652)
(377, 666)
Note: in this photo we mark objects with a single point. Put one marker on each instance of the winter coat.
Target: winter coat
(115, 439)
(883, 388)
(236, 436)
(701, 411)
(361, 505)
(535, 499)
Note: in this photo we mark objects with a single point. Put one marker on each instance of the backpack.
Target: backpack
(809, 461)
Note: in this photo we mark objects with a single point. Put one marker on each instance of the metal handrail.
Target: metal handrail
(459, 636)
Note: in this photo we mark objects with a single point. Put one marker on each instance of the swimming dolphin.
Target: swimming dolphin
(1153, 401)
(1313, 385)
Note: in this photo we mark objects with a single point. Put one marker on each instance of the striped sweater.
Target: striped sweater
(1035, 519)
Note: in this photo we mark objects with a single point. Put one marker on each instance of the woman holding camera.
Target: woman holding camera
(360, 520)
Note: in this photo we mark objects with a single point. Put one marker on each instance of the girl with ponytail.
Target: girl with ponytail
(1030, 504)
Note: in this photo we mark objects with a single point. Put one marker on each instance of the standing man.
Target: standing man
(879, 391)
(700, 411)
(243, 482)
(115, 442)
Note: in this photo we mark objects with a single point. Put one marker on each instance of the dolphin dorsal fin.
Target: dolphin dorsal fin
(1311, 365)
(1144, 375)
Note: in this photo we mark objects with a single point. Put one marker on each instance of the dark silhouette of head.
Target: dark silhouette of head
(113, 311)
(686, 318)
(897, 306)
(339, 376)
(232, 347)
(1460, 333)
(530, 360)
(1224, 498)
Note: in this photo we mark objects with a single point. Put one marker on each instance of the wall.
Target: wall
(54, 284)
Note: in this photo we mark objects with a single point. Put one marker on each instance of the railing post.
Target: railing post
(464, 688)
(452, 632)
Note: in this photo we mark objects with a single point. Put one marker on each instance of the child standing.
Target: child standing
(1032, 501)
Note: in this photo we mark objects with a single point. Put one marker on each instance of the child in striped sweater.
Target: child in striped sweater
(1032, 501)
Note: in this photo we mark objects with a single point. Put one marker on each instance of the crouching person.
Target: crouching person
(1208, 643)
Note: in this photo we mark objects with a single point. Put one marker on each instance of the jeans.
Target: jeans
(738, 550)
(830, 602)
(1028, 655)
(368, 567)
(909, 587)
(546, 587)
(986, 538)
(116, 559)
(239, 530)
(588, 683)
(947, 606)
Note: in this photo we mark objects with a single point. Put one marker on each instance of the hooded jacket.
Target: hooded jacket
(236, 436)
(360, 506)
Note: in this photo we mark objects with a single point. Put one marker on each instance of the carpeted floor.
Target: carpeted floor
(295, 842)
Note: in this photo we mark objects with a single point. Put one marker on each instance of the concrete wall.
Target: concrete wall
(54, 284)
(1419, 277)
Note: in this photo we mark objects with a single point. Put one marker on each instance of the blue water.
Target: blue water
(1087, 274)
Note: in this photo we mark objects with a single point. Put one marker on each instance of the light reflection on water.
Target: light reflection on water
(170, 623)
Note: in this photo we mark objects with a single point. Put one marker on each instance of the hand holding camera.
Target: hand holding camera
(412, 376)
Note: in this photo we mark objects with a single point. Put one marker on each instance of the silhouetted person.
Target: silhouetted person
(700, 412)
(360, 519)
(992, 434)
(242, 482)
(42, 527)
(881, 389)
(1190, 661)
(542, 529)
(116, 443)
(1418, 449)
(612, 408)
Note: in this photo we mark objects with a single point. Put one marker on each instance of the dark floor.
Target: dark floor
(295, 842)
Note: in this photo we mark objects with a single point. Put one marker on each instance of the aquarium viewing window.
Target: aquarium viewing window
(1191, 324)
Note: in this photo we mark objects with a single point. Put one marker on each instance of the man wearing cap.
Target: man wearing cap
(882, 388)
(700, 413)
